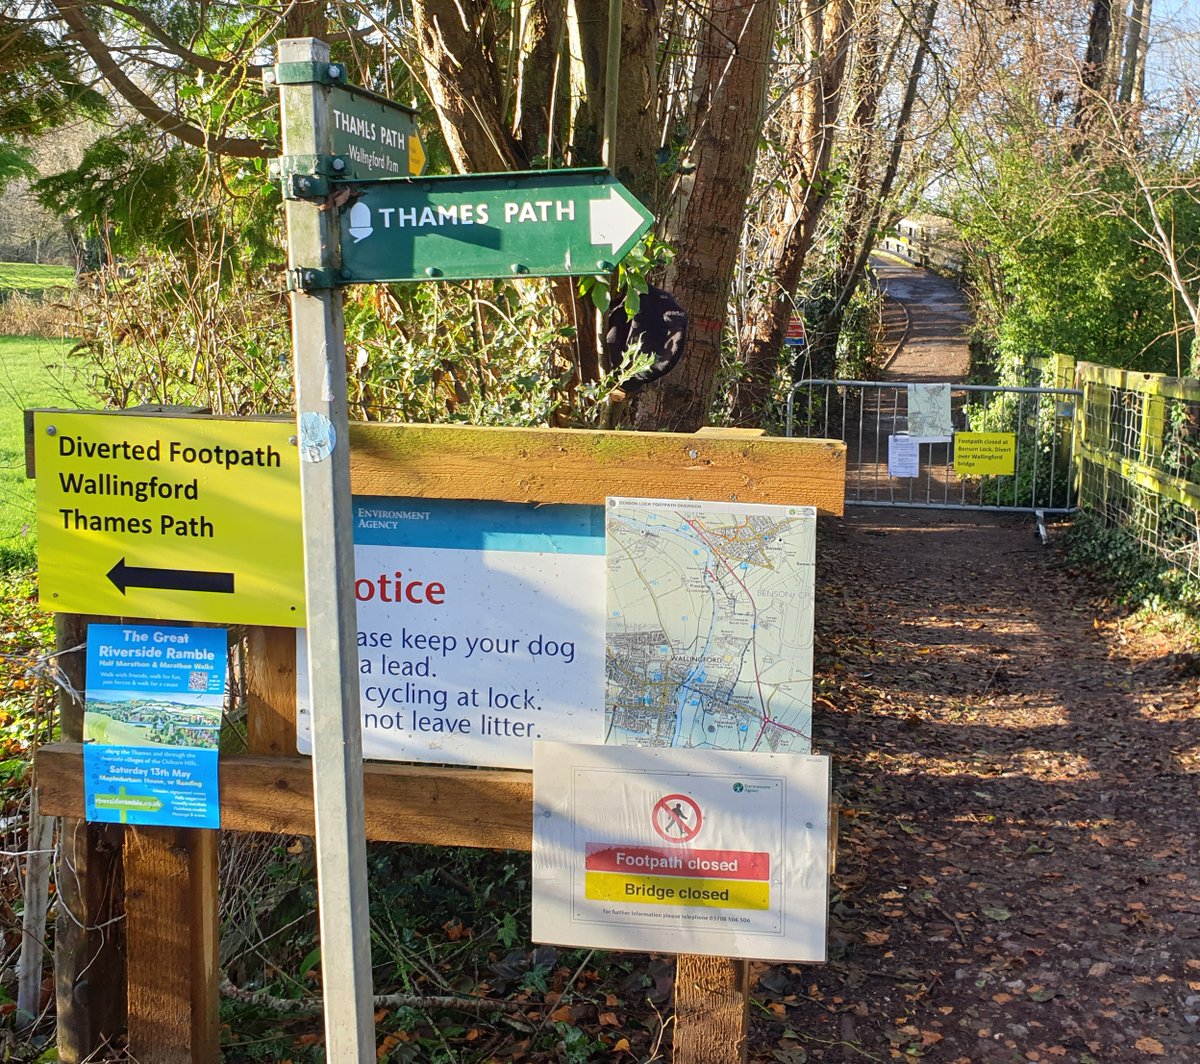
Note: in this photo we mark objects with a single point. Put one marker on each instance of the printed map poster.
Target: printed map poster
(152, 724)
(709, 625)
(929, 416)
(904, 457)
(680, 851)
(480, 630)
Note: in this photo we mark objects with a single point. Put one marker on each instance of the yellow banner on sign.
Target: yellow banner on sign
(978, 454)
(678, 890)
(181, 518)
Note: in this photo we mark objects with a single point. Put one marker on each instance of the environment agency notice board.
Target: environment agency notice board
(480, 629)
(484, 627)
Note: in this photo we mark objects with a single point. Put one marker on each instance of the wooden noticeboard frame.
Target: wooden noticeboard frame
(163, 880)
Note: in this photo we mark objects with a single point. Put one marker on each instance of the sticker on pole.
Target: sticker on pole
(714, 852)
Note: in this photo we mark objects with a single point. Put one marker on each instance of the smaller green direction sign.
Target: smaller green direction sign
(544, 223)
(374, 137)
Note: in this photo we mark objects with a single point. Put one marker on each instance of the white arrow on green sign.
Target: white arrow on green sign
(544, 223)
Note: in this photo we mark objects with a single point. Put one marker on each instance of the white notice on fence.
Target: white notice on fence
(710, 624)
(904, 457)
(929, 416)
(480, 630)
(714, 852)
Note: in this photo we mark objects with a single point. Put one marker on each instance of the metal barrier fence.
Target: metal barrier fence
(1139, 458)
(864, 414)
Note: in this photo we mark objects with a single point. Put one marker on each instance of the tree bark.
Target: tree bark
(458, 41)
(1093, 76)
(637, 90)
(542, 28)
(808, 120)
(732, 73)
(1133, 69)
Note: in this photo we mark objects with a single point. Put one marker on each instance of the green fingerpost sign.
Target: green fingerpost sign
(544, 223)
(373, 137)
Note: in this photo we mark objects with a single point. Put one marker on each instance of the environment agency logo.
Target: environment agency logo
(741, 787)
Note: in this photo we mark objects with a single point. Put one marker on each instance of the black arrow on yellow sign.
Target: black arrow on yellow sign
(124, 576)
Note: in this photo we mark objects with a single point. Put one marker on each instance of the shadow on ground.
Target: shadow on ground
(1018, 876)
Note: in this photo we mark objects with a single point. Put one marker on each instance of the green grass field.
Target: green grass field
(28, 277)
(33, 373)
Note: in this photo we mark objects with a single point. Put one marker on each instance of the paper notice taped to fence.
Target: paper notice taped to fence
(978, 454)
(904, 457)
(929, 414)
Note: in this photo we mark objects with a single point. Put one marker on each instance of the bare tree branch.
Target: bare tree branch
(201, 62)
(82, 31)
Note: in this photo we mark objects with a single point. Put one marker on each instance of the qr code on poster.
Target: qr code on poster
(197, 681)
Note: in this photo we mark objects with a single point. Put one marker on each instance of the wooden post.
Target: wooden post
(89, 947)
(36, 899)
(712, 994)
(319, 354)
(171, 910)
(271, 691)
(712, 1002)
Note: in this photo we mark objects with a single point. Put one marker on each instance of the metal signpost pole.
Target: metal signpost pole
(318, 343)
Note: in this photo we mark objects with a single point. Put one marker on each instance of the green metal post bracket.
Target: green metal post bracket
(305, 74)
(306, 176)
(311, 279)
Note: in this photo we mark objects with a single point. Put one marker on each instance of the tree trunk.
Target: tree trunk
(306, 18)
(457, 39)
(1133, 69)
(863, 136)
(808, 120)
(870, 226)
(539, 77)
(732, 71)
(1093, 75)
(869, 196)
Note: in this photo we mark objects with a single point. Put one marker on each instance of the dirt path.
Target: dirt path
(927, 319)
(1019, 773)
(1019, 874)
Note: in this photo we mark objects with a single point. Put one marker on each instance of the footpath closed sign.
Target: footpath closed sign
(184, 518)
(711, 852)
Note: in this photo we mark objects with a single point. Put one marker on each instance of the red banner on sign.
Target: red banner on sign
(660, 861)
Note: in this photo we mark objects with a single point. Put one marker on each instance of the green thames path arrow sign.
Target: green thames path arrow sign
(545, 223)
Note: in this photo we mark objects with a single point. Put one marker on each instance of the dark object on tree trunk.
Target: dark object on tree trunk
(661, 325)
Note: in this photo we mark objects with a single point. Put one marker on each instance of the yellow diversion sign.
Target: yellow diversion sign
(169, 517)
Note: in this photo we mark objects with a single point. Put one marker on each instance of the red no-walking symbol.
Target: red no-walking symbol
(677, 818)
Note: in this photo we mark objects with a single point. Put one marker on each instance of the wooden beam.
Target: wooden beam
(405, 803)
(172, 937)
(586, 466)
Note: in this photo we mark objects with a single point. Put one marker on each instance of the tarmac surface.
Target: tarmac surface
(927, 319)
